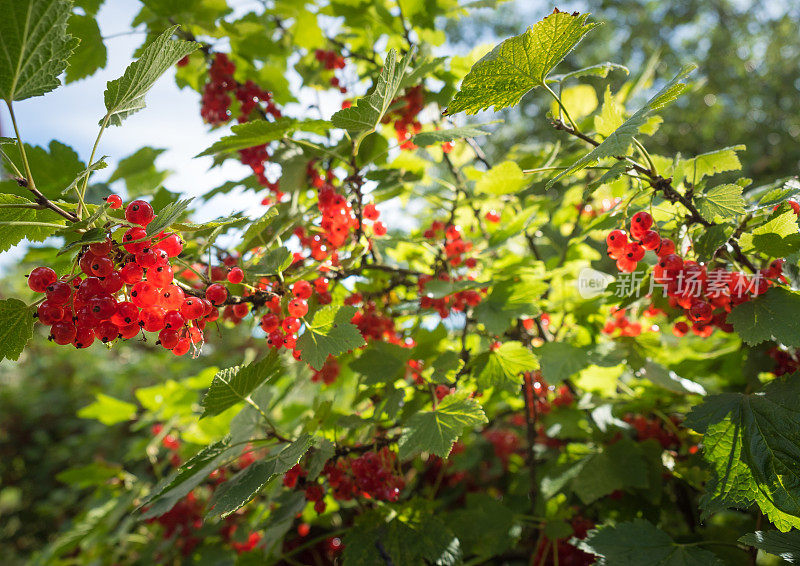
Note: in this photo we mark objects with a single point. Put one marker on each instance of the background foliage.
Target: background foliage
(74, 463)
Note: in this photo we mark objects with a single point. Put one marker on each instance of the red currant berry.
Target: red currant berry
(321, 285)
(236, 275)
(127, 313)
(147, 258)
(152, 318)
(650, 240)
(144, 294)
(240, 310)
(106, 332)
(58, 292)
(269, 323)
(132, 235)
(160, 276)
(169, 338)
(302, 289)
(172, 297)
(101, 249)
(667, 247)
(634, 252)
(616, 240)
(290, 324)
(101, 266)
(181, 347)
(216, 293)
(493, 217)
(112, 283)
(139, 212)
(171, 244)
(131, 273)
(63, 332)
(41, 278)
(114, 201)
(379, 229)
(103, 307)
(84, 337)
(371, 213)
(49, 313)
(128, 332)
(670, 262)
(174, 319)
(626, 265)
(192, 308)
(641, 221)
(297, 308)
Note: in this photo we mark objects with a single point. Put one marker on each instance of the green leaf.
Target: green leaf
(599, 70)
(708, 164)
(751, 444)
(437, 430)
(640, 543)
(16, 327)
(245, 485)
(503, 366)
(620, 140)
(503, 76)
(125, 96)
(711, 239)
(35, 46)
(54, 168)
(502, 179)
(785, 545)
(99, 164)
(776, 238)
(90, 54)
(93, 236)
(775, 314)
(167, 216)
(234, 385)
(724, 201)
(183, 480)
(273, 262)
(366, 113)
(440, 136)
(256, 234)
(560, 360)
(438, 289)
(251, 134)
(414, 535)
(330, 333)
(11, 235)
(619, 466)
(139, 172)
(668, 379)
(381, 362)
(108, 410)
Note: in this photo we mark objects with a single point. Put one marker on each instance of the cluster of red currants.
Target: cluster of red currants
(620, 325)
(404, 116)
(372, 475)
(706, 296)
(645, 428)
(215, 110)
(374, 324)
(331, 61)
(127, 288)
(328, 373)
(184, 522)
(282, 329)
(629, 253)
